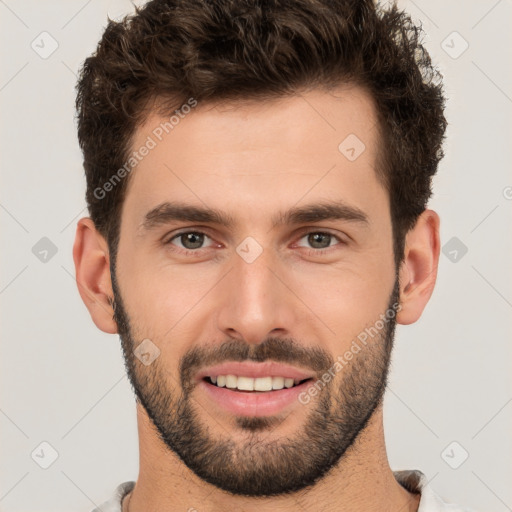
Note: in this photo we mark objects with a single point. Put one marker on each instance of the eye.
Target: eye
(189, 240)
(319, 240)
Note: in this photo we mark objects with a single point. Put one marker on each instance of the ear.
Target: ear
(92, 266)
(418, 271)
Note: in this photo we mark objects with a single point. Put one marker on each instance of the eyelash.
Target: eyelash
(309, 252)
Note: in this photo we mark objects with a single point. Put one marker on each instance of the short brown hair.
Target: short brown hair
(216, 50)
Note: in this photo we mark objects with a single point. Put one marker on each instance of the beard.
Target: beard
(259, 467)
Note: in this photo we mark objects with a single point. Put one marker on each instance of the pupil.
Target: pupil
(192, 240)
(315, 239)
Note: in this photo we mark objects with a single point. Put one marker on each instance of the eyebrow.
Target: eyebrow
(168, 212)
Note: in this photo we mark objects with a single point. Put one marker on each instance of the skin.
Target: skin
(228, 157)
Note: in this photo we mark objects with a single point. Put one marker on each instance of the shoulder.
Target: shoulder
(114, 503)
(415, 481)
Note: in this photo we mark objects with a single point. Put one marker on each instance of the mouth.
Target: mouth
(251, 402)
(253, 385)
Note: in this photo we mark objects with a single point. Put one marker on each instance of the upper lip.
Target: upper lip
(254, 370)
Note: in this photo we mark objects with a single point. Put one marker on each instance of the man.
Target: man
(257, 180)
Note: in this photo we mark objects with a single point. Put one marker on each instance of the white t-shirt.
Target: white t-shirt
(414, 481)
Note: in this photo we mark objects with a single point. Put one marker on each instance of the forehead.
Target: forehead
(259, 154)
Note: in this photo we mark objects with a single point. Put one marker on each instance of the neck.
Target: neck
(362, 480)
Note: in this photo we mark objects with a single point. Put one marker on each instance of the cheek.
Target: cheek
(161, 297)
(347, 297)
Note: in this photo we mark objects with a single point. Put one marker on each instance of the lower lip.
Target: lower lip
(253, 403)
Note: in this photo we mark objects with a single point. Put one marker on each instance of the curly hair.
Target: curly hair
(223, 50)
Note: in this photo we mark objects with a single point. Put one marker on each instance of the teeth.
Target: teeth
(231, 381)
(277, 382)
(245, 383)
(263, 384)
(288, 383)
(257, 384)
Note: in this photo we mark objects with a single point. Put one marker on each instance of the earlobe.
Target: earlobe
(92, 267)
(418, 271)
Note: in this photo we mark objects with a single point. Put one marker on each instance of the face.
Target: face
(248, 237)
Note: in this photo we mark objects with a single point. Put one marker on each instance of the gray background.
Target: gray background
(63, 380)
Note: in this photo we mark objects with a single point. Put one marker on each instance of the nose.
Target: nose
(256, 301)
